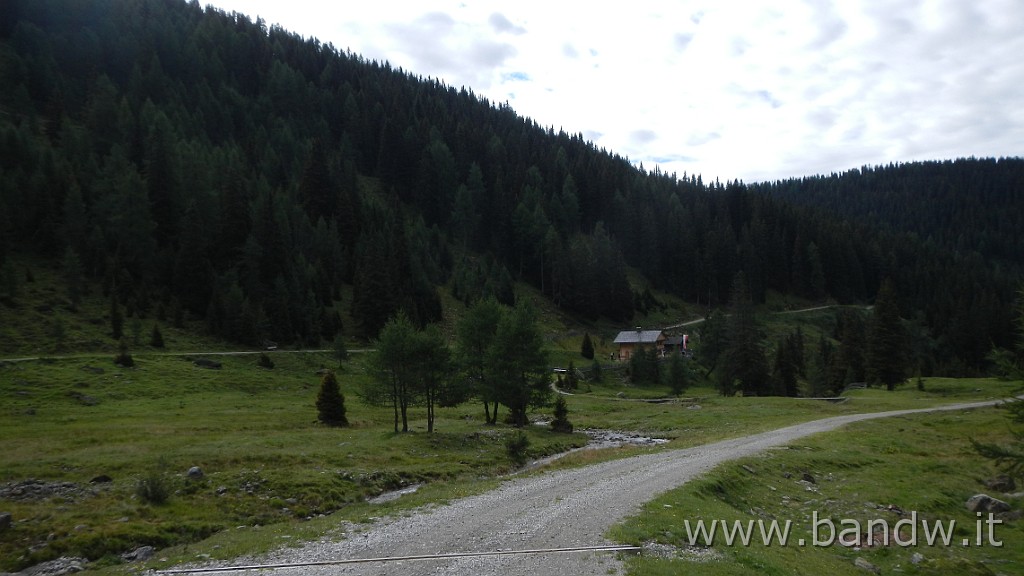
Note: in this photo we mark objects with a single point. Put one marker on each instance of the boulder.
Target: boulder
(5, 521)
(986, 503)
(101, 479)
(206, 363)
(139, 554)
(808, 478)
(195, 473)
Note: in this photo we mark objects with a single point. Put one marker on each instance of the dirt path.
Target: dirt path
(563, 509)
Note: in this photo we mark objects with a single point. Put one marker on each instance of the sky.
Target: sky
(727, 89)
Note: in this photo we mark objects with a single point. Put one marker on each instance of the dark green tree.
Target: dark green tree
(116, 317)
(330, 403)
(74, 278)
(519, 363)
(587, 348)
(156, 338)
(561, 422)
(643, 366)
(679, 377)
(887, 361)
(745, 364)
(1009, 457)
(475, 336)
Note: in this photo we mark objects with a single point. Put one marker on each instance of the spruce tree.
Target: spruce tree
(561, 422)
(587, 348)
(678, 374)
(156, 338)
(116, 318)
(887, 341)
(330, 403)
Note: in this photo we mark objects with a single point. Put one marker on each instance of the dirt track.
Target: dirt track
(564, 509)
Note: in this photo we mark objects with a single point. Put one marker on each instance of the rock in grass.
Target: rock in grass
(139, 554)
(195, 473)
(5, 521)
(865, 565)
(986, 503)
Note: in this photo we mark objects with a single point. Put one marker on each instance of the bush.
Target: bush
(156, 338)
(153, 488)
(516, 446)
(264, 361)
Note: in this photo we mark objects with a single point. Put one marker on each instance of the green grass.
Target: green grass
(269, 463)
(252, 431)
(271, 470)
(921, 463)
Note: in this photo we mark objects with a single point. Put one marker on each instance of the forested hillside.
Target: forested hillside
(967, 206)
(199, 163)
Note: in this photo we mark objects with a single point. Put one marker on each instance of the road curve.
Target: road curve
(561, 509)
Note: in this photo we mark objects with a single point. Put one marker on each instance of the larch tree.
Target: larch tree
(475, 334)
(519, 363)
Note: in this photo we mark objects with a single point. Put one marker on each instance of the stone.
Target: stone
(206, 363)
(978, 503)
(140, 554)
(5, 521)
(101, 479)
(195, 473)
(986, 503)
(808, 478)
(917, 558)
(865, 565)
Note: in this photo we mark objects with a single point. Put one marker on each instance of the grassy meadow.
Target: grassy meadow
(269, 464)
(272, 474)
(887, 469)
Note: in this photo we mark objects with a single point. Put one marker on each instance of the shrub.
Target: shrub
(516, 446)
(153, 488)
(264, 361)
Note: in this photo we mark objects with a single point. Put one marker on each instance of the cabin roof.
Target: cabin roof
(638, 337)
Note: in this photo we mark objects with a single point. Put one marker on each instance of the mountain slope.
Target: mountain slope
(201, 164)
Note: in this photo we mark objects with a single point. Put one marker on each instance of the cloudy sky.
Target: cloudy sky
(727, 89)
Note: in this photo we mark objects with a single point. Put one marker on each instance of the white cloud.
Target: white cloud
(725, 89)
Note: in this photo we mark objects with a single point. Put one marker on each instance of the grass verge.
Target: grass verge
(919, 467)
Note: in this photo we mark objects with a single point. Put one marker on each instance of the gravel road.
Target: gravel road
(562, 509)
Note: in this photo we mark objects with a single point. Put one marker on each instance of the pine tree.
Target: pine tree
(745, 362)
(330, 403)
(116, 317)
(587, 348)
(678, 374)
(887, 341)
(156, 338)
(561, 422)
